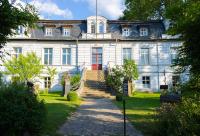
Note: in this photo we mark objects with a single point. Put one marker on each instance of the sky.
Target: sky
(76, 9)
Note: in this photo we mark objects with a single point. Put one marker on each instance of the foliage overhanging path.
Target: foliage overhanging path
(97, 117)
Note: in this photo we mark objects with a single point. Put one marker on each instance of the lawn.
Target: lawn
(140, 109)
(59, 109)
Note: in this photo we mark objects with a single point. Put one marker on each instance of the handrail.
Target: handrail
(82, 71)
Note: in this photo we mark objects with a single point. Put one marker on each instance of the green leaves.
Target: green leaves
(130, 70)
(25, 67)
(117, 75)
(11, 17)
(143, 9)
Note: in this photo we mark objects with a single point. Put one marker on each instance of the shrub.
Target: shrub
(21, 112)
(119, 97)
(114, 79)
(75, 82)
(72, 96)
(37, 88)
(181, 120)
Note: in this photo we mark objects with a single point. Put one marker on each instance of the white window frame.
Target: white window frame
(20, 30)
(173, 54)
(93, 30)
(48, 59)
(146, 83)
(143, 31)
(125, 32)
(101, 24)
(175, 80)
(126, 53)
(66, 32)
(47, 82)
(48, 31)
(67, 55)
(143, 54)
(17, 51)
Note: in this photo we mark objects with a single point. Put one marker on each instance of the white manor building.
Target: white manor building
(71, 45)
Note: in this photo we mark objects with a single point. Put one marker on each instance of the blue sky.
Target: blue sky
(77, 9)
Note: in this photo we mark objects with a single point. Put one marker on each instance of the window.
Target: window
(125, 32)
(93, 28)
(143, 31)
(101, 27)
(126, 53)
(175, 80)
(173, 52)
(17, 51)
(145, 56)
(48, 31)
(48, 56)
(66, 56)
(47, 82)
(146, 81)
(20, 30)
(66, 32)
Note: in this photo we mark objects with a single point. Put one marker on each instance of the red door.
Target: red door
(97, 58)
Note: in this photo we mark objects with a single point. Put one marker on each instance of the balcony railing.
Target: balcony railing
(98, 36)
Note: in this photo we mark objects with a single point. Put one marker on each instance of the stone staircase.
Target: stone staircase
(95, 85)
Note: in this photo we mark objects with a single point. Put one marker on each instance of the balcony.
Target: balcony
(98, 36)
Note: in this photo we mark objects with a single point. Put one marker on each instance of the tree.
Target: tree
(186, 22)
(114, 79)
(11, 17)
(184, 18)
(51, 72)
(145, 9)
(26, 68)
(130, 73)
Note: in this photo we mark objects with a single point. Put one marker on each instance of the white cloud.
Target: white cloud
(18, 3)
(49, 8)
(112, 9)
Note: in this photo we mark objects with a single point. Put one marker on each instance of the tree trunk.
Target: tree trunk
(130, 88)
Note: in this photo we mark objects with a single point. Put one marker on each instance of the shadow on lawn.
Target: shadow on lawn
(57, 113)
(144, 123)
(141, 111)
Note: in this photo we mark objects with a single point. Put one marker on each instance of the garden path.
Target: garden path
(97, 116)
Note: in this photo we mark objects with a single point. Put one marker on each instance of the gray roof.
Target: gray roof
(155, 29)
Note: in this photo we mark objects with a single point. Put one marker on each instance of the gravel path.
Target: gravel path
(97, 117)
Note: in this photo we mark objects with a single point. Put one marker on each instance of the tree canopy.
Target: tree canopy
(184, 18)
(26, 68)
(11, 16)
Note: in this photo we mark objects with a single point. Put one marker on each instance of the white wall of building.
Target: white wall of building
(160, 59)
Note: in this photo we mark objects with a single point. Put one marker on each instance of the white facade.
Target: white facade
(159, 56)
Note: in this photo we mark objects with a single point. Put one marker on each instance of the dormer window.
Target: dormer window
(143, 31)
(48, 31)
(101, 27)
(20, 30)
(93, 27)
(66, 31)
(125, 32)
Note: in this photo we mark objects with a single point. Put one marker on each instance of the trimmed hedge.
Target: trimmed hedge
(72, 96)
(21, 112)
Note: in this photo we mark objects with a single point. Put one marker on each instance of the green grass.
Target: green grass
(59, 109)
(140, 109)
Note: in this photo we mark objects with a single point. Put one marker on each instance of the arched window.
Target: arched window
(93, 27)
(101, 27)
